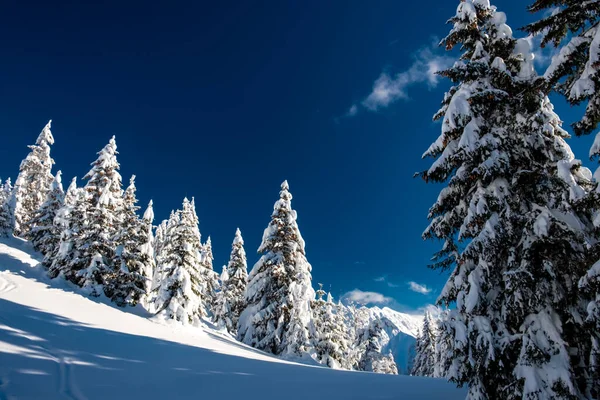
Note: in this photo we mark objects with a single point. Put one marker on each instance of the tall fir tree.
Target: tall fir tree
(222, 310)
(159, 243)
(178, 293)
(231, 302)
(515, 328)
(148, 256)
(277, 315)
(96, 218)
(33, 183)
(6, 214)
(424, 361)
(127, 282)
(43, 232)
(210, 279)
(71, 220)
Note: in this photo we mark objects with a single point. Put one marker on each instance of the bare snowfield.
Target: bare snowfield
(58, 344)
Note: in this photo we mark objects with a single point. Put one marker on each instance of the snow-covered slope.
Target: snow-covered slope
(402, 331)
(57, 344)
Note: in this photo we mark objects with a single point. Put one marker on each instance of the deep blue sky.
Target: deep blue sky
(224, 100)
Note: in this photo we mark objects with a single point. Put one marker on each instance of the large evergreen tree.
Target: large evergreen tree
(177, 295)
(209, 278)
(148, 257)
(71, 220)
(33, 183)
(279, 292)
(230, 302)
(127, 282)
(424, 361)
(506, 220)
(6, 215)
(44, 233)
(104, 200)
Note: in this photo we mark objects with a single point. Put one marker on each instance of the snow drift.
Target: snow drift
(55, 343)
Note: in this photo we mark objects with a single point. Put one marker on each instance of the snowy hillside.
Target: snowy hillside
(402, 333)
(55, 343)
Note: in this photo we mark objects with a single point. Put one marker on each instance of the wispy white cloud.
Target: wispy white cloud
(388, 88)
(361, 297)
(359, 262)
(352, 111)
(386, 280)
(417, 287)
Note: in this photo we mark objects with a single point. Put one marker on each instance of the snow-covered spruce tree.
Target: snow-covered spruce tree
(93, 268)
(159, 242)
(329, 333)
(128, 283)
(230, 302)
(210, 279)
(72, 217)
(515, 329)
(222, 309)
(6, 215)
(148, 257)
(177, 295)
(43, 232)
(370, 345)
(33, 183)
(424, 362)
(574, 27)
(279, 292)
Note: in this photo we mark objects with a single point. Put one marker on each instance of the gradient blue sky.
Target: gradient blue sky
(224, 100)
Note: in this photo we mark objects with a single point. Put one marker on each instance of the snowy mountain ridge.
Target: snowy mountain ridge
(408, 324)
(400, 335)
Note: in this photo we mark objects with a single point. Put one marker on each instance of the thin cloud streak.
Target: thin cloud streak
(361, 297)
(418, 288)
(388, 89)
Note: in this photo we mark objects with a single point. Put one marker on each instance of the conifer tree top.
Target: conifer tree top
(46, 135)
(238, 237)
(149, 213)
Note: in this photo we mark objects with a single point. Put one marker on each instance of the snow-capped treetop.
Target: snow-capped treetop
(71, 193)
(224, 275)
(320, 293)
(104, 181)
(329, 297)
(149, 213)
(237, 266)
(129, 195)
(283, 217)
(207, 254)
(189, 209)
(238, 237)
(45, 136)
(57, 182)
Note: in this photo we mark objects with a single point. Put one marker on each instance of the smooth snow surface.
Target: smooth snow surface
(57, 344)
